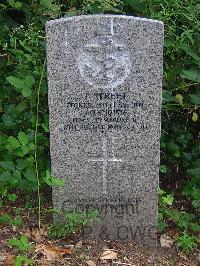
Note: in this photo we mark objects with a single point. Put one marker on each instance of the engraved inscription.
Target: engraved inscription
(104, 62)
(119, 206)
(104, 112)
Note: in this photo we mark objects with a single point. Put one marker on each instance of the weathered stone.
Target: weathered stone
(104, 79)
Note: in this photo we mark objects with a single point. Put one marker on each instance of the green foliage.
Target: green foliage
(192, 188)
(21, 244)
(186, 242)
(180, 146)
(186, 222)
(161, 222)
(166, 199)
(22, 85)
(181, 219)
(11, 220)
(23, 260)
(22, 44)
(74, 222)
(53, 181)
(99, 6)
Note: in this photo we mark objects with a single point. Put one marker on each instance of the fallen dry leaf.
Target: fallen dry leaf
(36, 233)
(166, 241)
(79, 244)
(9, 260)
(108, 254)
(51, 252)
(90, 263)
(44, 263)
(3, 257)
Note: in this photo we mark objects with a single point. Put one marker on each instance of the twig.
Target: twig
(35, 144)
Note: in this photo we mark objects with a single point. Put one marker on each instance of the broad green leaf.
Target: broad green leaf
(29, 81)
(30, 175)
(22, 164)
(45, 127)
(8, 165)
(167, 96)
(191, 74)
(23, 138)
(48, 181)
(25, 149)
(5, 177)
(137, 5)
(13, 142)
(48, 174)
(16, 82)
(26, 92)
(188, 51)
(22, 85)
(46, 3)
(196, 204)
(196, 163)
(21, 106)
(194, 172)
(3, 139)
(17, 175)
(195, 98)
(15, 4)
(57, 182)
(53, 180)
(174, 149)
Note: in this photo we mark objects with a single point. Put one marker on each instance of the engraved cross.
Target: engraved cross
(104, 160)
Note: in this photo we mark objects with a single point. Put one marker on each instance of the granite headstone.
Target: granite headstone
(104, 89)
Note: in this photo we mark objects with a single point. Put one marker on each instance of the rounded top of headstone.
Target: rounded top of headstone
(62, 20)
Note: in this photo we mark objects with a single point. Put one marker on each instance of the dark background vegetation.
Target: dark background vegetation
(24, 133)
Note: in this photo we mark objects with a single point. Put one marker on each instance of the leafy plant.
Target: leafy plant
(98, 6)
(166, 199)
(11, 220)
(74, 222)
(192, 188)
(186, 242)
(21, 244)
(53, 181)
(161, 222)
(21, 260)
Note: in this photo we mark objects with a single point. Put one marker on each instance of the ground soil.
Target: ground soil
(77, 251)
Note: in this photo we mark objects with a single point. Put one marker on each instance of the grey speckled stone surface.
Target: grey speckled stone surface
(104, 81)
